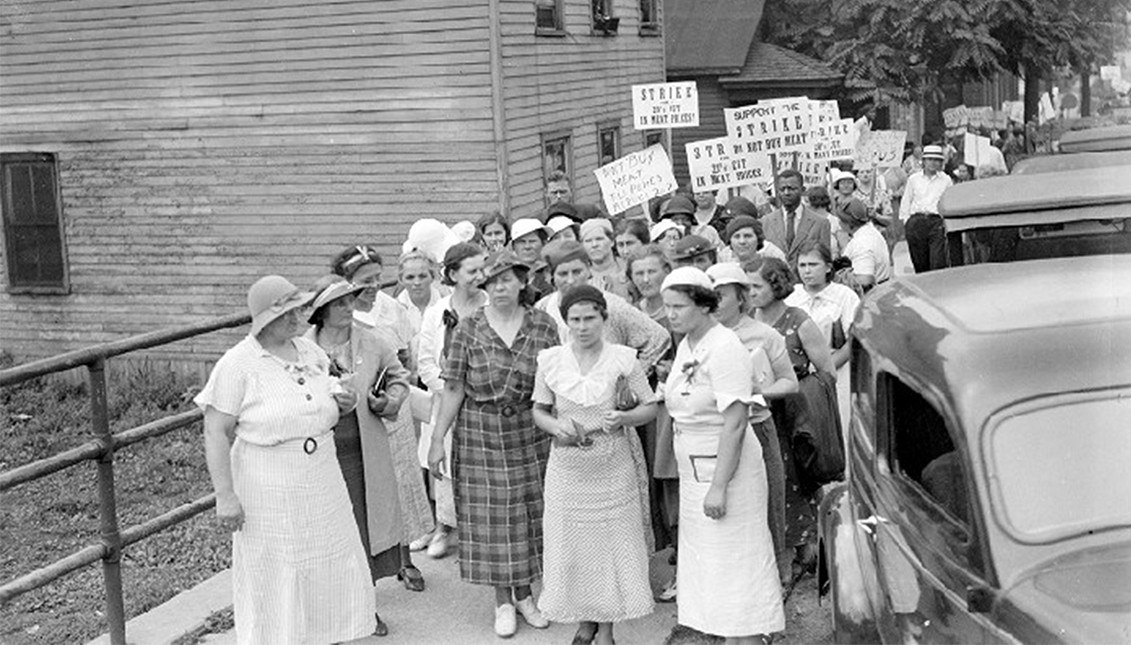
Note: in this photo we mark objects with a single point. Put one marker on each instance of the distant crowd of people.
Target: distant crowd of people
(580, 391)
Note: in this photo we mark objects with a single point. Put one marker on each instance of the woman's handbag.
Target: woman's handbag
(624, 398)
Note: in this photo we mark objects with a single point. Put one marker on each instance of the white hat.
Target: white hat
(933, 152)
(559, 223)
(689, 276)
(659, 229)
(727, 273)
(464, 230)
(270, 297)
(526, 226)
(838, 175)
(431, 237)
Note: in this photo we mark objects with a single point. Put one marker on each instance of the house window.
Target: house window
(557, 155)
(548, 17)
(649, 17)
(603, 20)
(653, 137)
(608, 143)
(33, 224)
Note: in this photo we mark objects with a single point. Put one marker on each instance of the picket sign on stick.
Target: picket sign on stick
(665, 105)
(880, 149)
(713, 164)
(635, 178)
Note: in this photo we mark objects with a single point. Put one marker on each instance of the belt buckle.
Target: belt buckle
(508, 410)
(310, 445)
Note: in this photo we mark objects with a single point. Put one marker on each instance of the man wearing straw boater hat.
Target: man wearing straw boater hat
(919, 211)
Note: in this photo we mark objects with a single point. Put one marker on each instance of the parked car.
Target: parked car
(1112, 137)
(1078, 161)
(988, 459)
(1082, 211)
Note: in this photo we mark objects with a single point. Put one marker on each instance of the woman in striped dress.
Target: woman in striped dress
(499, 457)
(298, 568)
(596, 555)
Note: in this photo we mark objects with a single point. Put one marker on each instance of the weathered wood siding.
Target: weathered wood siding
(202, 144)
(570, 83)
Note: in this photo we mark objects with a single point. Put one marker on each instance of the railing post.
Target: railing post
(108, 508)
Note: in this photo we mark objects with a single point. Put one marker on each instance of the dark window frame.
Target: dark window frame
(553, 137)
(16, 283)
(601, 10)
(652, 137)
(603, 128)
(649, 27)
(557, 8)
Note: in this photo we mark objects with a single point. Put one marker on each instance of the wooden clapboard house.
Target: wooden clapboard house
(160, 155)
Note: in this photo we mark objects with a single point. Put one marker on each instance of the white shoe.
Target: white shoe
(438, 545)
(420, 543)
(669, 592)
(530, 613)
(505, 622)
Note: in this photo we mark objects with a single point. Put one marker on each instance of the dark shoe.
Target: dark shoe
(586, 632)
(412, 578)
(382, 628)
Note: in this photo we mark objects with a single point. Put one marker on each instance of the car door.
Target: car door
(927, 551)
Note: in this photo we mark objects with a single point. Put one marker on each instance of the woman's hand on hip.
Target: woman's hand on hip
(230, 512)
(715, 503)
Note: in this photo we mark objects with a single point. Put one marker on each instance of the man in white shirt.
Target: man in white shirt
(866, 248)
(919, 211)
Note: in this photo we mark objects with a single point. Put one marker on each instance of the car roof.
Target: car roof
(986, 336)
(1040, 198)
(1077, 161)
(1114, 137)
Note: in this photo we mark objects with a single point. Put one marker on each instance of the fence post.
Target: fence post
(108, 508)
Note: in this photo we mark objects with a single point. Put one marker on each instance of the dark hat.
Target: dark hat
(561, 208)
(679, 205)
(741, 222)
(853, 212)
(561, 251)
(582, 293)
(691, 246)
(499, 263)
(742, 206)
(589, 211)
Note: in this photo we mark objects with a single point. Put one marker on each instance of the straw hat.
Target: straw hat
(328, 289)
(933, 152)
(270, 298)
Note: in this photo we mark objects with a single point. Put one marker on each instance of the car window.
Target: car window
(1060, 467)
(863, 388)
(923, 451)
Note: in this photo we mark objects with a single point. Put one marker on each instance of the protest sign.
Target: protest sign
(955, 117)
(665, 105)
(833, 140)
(1120, 85)
(713, 164)
(981, 117)
(1001, 120)
(770, 127)
(1046, 111)
(1015, 110)
(880, 149)
(824, 111)
(976, 150)
(1110, 72)
(635, 178)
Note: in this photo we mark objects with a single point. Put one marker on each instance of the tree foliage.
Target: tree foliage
(909, 50)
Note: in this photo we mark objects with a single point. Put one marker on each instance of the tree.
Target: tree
(911, 50)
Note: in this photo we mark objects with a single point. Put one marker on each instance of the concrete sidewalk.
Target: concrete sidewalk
(452, 611)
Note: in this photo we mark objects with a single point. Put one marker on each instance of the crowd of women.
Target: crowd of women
(555, 399)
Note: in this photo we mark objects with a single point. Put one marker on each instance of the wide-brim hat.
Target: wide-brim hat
(688, 277)
(526, 226)
(727, 273)
(679, 205)
(500, 262)
(661, 228)
(691, 246)
(329, 288)
(270, 297)
(933, 152)
(840, 175)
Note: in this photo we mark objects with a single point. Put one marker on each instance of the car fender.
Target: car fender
(850, 579)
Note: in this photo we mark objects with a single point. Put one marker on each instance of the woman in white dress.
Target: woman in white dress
(299, 573)
(832, 306)
(728, 579)
(595, 558)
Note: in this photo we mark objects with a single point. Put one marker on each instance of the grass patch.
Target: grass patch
(50, 518)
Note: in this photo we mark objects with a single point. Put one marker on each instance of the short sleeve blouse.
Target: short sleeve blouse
(273, 400)
(559, 377)
(706, 380)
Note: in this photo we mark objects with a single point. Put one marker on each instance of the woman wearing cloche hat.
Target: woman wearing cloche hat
(274, 394)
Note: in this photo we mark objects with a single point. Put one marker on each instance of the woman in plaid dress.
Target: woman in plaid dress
(499, 457)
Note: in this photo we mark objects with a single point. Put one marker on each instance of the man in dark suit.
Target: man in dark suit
(792, 225)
